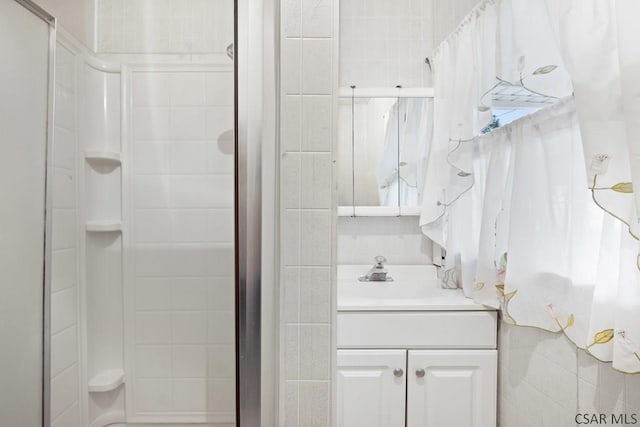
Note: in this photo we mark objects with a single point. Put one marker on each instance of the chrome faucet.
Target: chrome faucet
(377, 273)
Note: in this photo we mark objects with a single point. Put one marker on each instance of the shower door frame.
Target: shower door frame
(48, 211)
(248, 117)
(257, 194)
(48, 251)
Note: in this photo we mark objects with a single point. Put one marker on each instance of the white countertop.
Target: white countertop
(415, 288)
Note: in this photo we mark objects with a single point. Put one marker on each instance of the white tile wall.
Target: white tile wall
(384, 44)
(164, 26)
(182, 228)
(75, 16)
(447, 15)
(307, 52)
(65, 329)
(545, 381)
(399, 239)
(316, 66)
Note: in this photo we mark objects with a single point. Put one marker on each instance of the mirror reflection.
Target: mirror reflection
(383, 144)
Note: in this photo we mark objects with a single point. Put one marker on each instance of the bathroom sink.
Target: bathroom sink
(414, 288)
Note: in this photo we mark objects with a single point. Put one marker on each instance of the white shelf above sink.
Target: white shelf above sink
(106, 381)
(103, 226)
(112, 157)
(378, 211)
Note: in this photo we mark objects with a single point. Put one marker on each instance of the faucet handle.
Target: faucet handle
(377, 273)
(380, 260)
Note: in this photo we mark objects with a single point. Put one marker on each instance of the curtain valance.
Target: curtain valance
(539, 218)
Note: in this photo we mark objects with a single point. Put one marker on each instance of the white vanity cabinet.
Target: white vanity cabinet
(417, 369)
(372, 387)
(451, 388)
(411, 354)
(417, 388)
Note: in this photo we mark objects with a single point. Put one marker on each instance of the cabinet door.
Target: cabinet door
(452, 388)
(371, 388)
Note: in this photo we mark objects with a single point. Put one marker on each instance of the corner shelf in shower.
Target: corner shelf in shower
(105, 157)
(106, 381)
(103, 226)
(102, 111)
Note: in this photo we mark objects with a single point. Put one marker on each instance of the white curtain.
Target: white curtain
(464, 69)
(549, 256)
(539, 217)
(497, 43)
(599, 45)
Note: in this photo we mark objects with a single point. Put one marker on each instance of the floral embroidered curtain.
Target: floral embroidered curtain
(539, 217)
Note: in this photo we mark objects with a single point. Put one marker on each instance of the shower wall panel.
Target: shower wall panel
(76, 16)
(65, 325)
(180, 288)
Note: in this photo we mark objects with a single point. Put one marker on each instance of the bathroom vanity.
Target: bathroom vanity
(413, 354)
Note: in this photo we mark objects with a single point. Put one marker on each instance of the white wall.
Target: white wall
(545, 381)
(164, 26)
(399, 239)
(447, 14)
(308, 81)
(76, 16)
(384, 43)
(65, 326)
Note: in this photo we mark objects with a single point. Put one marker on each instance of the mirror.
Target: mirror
(383, 147)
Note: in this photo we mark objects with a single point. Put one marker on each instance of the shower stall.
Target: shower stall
(132, 264)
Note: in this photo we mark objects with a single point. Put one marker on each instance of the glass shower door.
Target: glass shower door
(24, 117)
(154, 265)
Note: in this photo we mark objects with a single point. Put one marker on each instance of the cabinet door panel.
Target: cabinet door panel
(369, 393)
(458, 388)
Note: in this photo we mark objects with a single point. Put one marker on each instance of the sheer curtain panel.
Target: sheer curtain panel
(540, 217)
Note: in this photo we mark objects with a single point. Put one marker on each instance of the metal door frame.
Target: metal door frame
(46, 286)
